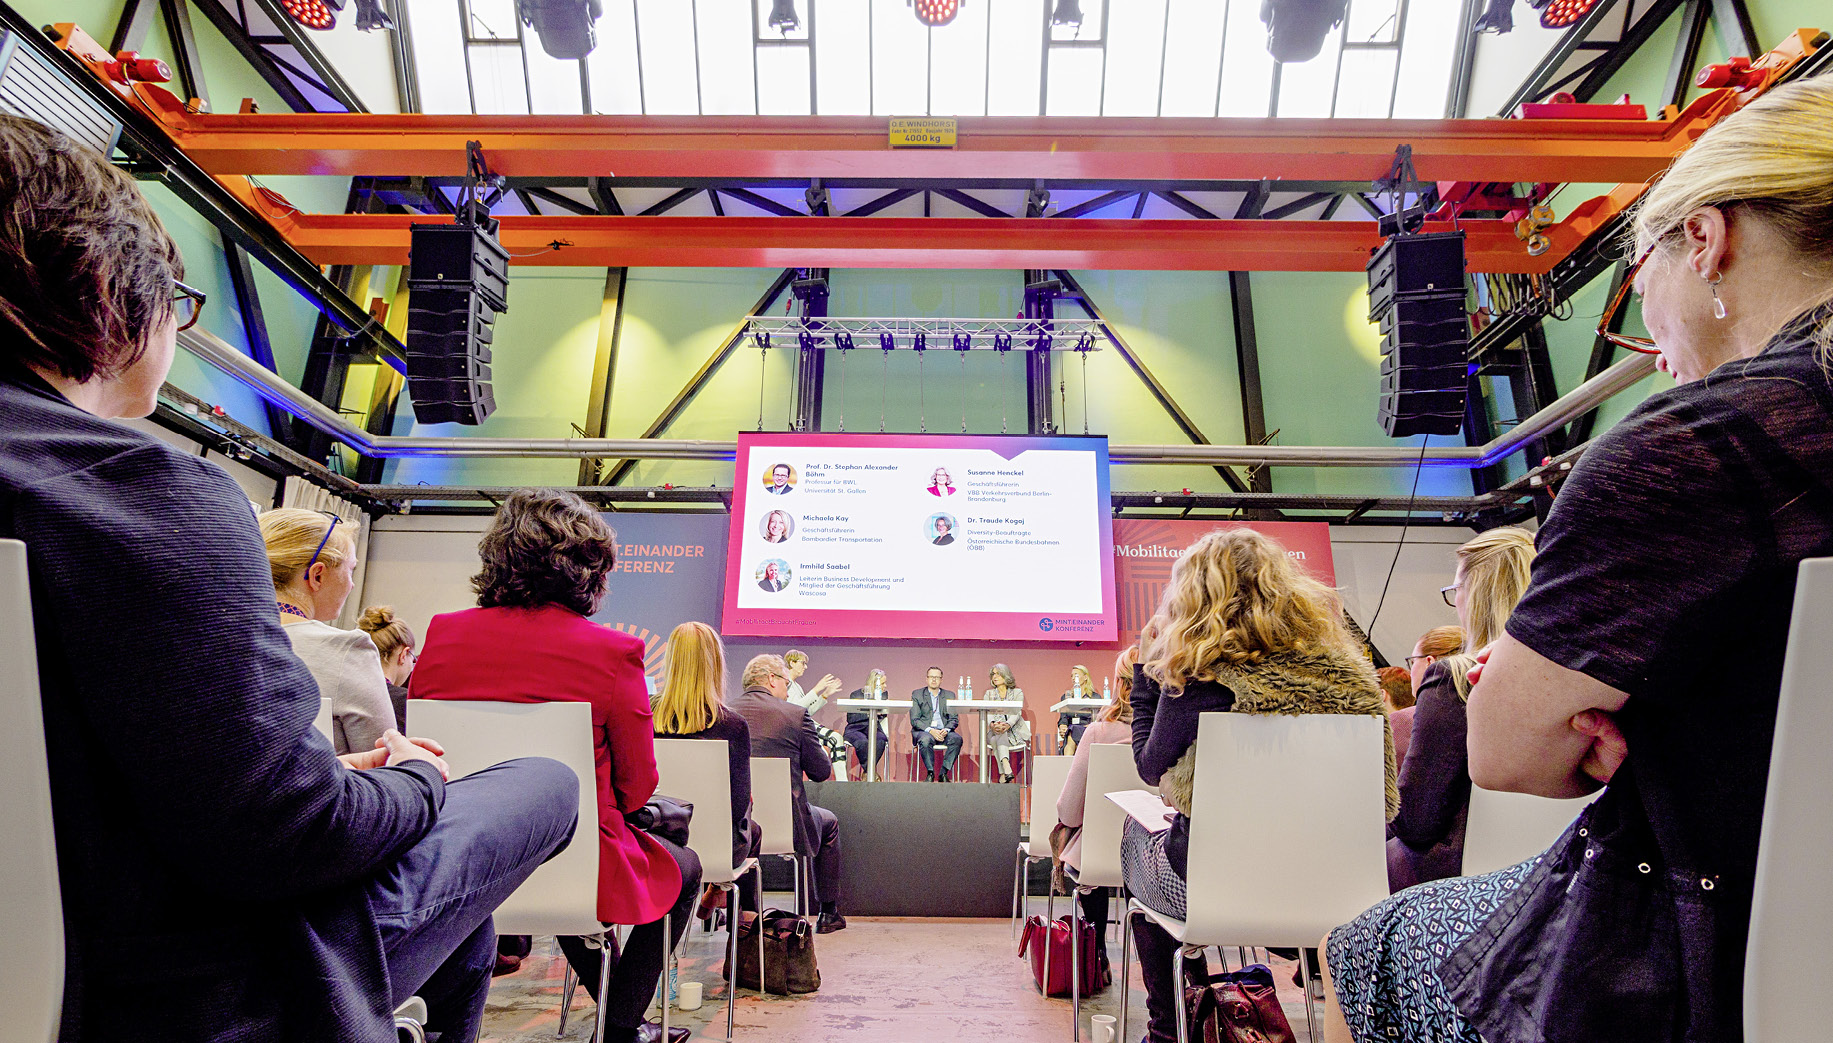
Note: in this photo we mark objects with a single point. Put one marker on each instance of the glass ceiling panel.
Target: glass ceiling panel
(998, 57)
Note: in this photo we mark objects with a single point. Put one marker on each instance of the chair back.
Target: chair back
(323, 721)
(697, 771)
(561, 897)
(1791, 921)
(1047, 777)
(32, 925)
(1287, 833)
(1505, 828)
(1110, 770)
(772, 805)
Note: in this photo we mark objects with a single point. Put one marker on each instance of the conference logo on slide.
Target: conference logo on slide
(1060, 625)
(1046, 625)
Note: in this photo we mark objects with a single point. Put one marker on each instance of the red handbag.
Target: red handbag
(1090, 956)
(1237, 1007)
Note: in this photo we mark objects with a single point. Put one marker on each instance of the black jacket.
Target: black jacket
(1434, 788)
(780, 728)
(921, 711)
(213, 853)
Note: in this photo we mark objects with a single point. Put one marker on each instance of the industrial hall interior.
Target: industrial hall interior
(879, 521)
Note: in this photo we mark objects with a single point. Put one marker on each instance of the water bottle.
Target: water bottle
(1107, 696)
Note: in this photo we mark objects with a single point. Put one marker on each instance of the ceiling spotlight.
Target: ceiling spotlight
(1496, 18)
(1562, 13)
(783, 17)
(936, 12)
(1296, 28)
(567, 28)
(1068, 12)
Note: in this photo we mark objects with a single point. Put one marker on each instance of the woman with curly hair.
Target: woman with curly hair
(546, 560)
(1239, 628)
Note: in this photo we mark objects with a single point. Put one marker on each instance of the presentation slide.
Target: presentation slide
(978, 537)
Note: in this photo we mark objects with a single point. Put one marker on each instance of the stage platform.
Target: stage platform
(924, 848)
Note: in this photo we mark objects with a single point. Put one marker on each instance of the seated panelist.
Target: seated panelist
(858, 722)
(931, 723)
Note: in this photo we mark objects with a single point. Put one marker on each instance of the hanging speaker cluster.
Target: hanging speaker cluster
(458, 281)
(1416, 293)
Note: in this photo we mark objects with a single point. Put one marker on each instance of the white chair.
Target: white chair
(773, 808)
(323, 721)
(698, 771)
(1111, 769)
(32, 935)
(1047, 777)
(561, 897)
(1503, 829)
(1309, 789)
(1791, 920)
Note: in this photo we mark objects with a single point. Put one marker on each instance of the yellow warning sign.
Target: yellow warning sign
(922, 132)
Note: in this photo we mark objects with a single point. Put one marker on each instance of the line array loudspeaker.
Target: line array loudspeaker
(458, 281)
(1416, 293)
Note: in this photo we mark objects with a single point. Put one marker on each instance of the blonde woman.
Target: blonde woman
(1426, 840)
(1239, 628)
(313, 559)
(691, 705)
(1006, 732)
(858, 722)
(1675, 541)
(395, 644)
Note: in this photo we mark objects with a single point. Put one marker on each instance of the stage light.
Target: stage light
(312, 14)
(919, 341)
(783, 17)
(1562, 13)
(843, 340)
(886, 341)
(1296, 28)
(567, 28)
(1496, 18)
(964, 341)
(1067, 12)
(936, 12)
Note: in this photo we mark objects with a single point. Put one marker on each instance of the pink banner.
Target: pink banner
(1144, 549)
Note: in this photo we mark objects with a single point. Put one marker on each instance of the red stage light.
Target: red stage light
(936, 12)
(1561, 13)
(313, 14)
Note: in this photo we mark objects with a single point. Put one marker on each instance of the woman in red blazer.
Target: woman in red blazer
(546, 560)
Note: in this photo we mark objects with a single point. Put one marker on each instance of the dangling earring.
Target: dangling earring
(1718, 306)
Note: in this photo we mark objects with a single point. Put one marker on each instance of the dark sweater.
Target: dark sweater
(1428, 834)
(214, 855)
(1164, 726)
(737, 734)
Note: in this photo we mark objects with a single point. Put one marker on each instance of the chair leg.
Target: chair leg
(604, 994)
(1018, 880)
(759, 929)
(1304, 970)
(732, 954)
(1075, 967)
(662, 986)
(1126, 962)
(1177, 989)
(1050, 917)
(567, 981)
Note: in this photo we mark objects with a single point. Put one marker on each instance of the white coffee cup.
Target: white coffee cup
(1100, 1028)
(688, 997)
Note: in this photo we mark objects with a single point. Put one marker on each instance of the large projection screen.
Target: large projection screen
(973, 537)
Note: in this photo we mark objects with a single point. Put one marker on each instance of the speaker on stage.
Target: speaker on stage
(1416, 293)
(458, 281)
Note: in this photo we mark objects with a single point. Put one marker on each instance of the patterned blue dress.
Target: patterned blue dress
(1384, 963)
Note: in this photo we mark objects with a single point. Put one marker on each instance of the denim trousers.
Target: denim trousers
(432, 905)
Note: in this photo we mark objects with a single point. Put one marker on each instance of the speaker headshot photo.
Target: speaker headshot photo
(780, 480)
(941, 529)
(773, 575)
(941, 483)
(776, 527)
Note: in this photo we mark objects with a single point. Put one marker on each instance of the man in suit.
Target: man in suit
(779, 480)
(773, 578)
(931, 723)
(780, 728)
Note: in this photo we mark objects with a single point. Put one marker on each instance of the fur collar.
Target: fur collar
(1326, 681)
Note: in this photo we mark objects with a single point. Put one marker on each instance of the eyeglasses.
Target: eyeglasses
(1409, 659)
(1446, 593)
(1624, 340)
(187, 304)
(321, 543)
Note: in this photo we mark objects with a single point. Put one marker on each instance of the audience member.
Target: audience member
(858, 722)
(546, 560)
(1676, 539)
(1007, 733)
(1426, 840)
(1397, 697)
(1240, 628)
(931, 723)
(691, 705)
(780, 728)
(314, 565)
(1112, 725)
(1433, 645)
(1071, 721)
(224, 875)
(394, 642)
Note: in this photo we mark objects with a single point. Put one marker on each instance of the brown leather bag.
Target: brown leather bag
(1237, 1007)
(789, 954)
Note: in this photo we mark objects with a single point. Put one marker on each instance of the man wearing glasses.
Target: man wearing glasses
(780, 728)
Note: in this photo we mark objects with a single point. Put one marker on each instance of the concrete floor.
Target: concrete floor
(886, 980)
